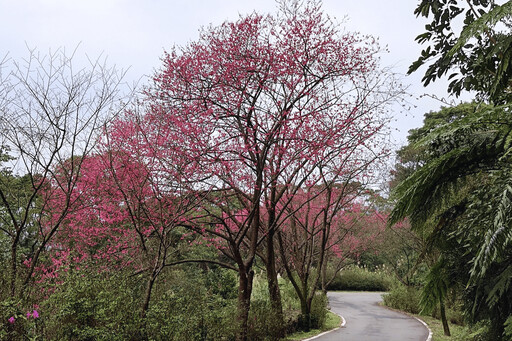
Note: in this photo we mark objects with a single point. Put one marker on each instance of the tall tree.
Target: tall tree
(465, 153)
(458, 195)
(50, 116)
(257, 105)
(128, 205)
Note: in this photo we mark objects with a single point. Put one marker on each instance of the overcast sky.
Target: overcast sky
(135, 33)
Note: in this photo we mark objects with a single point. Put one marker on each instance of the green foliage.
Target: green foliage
(403, 298)
(187, 304)
(435, 287)
(318, 310)
(498, 236)
(462, 148)
(459, 199)
(361, 279)
(93, 306)
(189, 312)
(508, 327)
(332, 321)
(261, 319)
(17, 323)
(317, 316)
(479, 58)
(477, 332)
(500, 51)
(193, 304)
(262, 322)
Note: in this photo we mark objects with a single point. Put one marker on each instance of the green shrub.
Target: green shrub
(186, 304)
(508, 327)
(262, 323)
(318, 310)
(188, 312)
(17, 323)
(360, 279)
(92, 306)
(194, 305)
(403, 298)
(453, 314)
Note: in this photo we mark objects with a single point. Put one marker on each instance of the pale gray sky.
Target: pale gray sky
(134, 33)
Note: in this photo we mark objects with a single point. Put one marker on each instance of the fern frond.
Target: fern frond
(473, 144)
(435, 288)
(497, 238)
(500, 286)
(432, 186)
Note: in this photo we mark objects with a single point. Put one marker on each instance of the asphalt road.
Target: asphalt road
(367, 321)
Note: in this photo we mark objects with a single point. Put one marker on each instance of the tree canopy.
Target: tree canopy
(476, 58)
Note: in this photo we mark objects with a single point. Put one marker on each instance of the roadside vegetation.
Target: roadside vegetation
(217, 203)
(332, 321)
(225, 199)
(453, 181)
(356, 278)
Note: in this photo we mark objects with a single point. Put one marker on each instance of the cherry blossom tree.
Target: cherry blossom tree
(257, 105)
(325, 224)
(50, 115)
(129, 204)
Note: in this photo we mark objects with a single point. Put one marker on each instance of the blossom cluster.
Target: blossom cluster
(30, 314)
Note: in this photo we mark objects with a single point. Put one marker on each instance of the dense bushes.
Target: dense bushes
(91, 305)
(361, 279)
(403, 298)
(88, 306)
(407, 299)
(318, 313)
(188, 303)
(189, 312)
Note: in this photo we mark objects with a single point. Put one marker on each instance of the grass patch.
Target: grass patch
(331, 321)
(458, 332)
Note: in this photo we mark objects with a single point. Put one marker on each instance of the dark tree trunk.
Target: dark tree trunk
(14, 269)
(323, 277)
(244, 303)
(305, 307)
(273, 288)
(147, 296)
(446, 328)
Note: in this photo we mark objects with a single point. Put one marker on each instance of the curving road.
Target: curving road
(367, 321)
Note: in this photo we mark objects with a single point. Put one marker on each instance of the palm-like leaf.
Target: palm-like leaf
(498, 237)
(465, 147)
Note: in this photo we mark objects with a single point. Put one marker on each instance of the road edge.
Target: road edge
(430, 334)
(429, 338)
(343, 323)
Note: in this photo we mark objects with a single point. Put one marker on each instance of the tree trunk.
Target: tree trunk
(14, 268)
(147, 296)
(305, 307)
(273, 288)
(244, 303)
(446, 328)
(323, 277)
